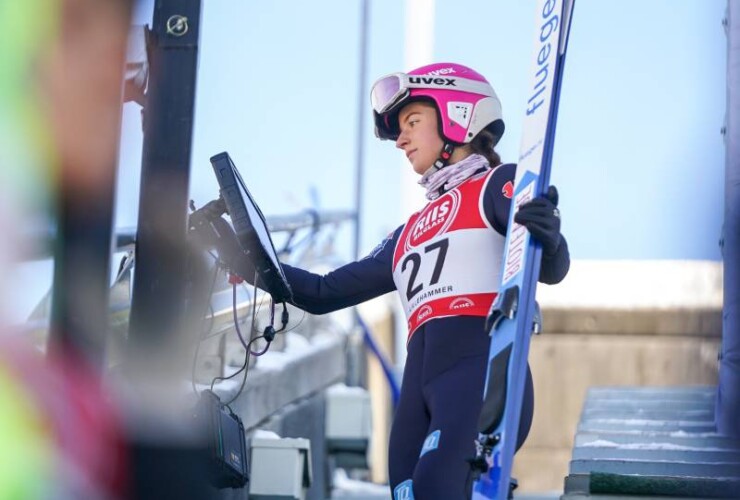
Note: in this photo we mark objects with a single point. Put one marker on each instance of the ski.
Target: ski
(511, 319)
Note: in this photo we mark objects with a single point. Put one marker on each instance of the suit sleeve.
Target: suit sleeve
(346, 286)
(497, 206)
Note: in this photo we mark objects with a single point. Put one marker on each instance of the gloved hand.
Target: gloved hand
(226, 243)
(542, 218)
(210, 230)
(230, 251)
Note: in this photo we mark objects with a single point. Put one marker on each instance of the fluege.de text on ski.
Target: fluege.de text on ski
(548, 27)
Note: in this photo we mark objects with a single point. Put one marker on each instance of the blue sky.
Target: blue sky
(639, 158)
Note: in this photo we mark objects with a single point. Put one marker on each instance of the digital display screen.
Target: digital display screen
(251, 229)
(257, 220)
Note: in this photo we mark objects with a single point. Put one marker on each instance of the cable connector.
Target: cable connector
(269, 333)
(284, 317)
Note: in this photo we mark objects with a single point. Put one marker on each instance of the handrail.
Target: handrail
(308, 218)
(384, 362)
(220, 315)
(125, 237)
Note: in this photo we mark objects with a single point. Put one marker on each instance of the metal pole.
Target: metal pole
(356, 365)
(728, 393)
(166, 454)
(362, 102)
(159, 278)
(418, 50)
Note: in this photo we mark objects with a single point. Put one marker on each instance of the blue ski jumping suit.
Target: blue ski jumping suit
(462, 232)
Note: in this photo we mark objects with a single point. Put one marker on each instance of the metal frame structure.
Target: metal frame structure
(728, 392)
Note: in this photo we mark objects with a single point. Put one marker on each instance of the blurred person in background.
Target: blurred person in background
(61, 70)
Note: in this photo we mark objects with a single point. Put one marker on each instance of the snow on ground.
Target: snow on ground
(344, 486)
(602, 443)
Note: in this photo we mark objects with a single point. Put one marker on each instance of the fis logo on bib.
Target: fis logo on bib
(434, 219)
(461, 303)
(424, 312)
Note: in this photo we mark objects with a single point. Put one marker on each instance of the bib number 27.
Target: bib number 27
(414, 259)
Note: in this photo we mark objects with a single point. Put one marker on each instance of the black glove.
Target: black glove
(226, 243)
(542, 218)
(210, 230)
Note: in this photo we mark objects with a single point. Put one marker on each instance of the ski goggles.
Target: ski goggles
(394, 88)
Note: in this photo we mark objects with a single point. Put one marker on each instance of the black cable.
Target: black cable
(284, 318)
(206, 331)
(245, 367)
(270, 332)
(255, 330)
(267, 337)
(254, 300)
(203, 333)
(284, 321)
(236, 319)
(247, 356)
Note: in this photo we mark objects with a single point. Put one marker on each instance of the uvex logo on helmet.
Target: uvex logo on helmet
(432, 80)
(434, 219)
(449, 86)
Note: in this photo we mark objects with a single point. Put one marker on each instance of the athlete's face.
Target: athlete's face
(419, 137)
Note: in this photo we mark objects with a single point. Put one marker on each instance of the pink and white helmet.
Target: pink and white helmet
(466, 103)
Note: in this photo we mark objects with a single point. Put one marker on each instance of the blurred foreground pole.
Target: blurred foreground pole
(84, 82)
(82, 249)
(728, 396)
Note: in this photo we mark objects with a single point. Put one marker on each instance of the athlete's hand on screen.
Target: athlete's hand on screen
(542, 218)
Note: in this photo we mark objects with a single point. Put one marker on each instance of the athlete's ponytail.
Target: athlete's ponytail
(483, 144)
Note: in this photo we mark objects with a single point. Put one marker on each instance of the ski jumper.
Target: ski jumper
(445, 263)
